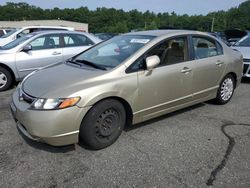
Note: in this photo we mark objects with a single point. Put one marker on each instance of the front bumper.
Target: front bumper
(54, 127)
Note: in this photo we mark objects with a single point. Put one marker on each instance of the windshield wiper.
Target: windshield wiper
(91, 64)
(74, 62)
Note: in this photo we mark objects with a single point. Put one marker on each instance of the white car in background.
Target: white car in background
(4, 31)
(17, 33)
(243, 46)
(40, 49)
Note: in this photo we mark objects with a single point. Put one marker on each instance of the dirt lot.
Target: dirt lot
(195, 147)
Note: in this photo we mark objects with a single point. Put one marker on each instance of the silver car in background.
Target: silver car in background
(40, 49)
(243, 46)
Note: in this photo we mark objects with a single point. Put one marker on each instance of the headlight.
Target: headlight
(53, 104)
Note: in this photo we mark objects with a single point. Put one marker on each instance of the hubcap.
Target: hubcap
(3, 80)
(227, 89)
(107, 124)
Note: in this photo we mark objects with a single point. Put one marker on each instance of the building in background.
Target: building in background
(16, 24)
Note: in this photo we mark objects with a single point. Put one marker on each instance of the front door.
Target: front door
(170, 84)
(46, 50)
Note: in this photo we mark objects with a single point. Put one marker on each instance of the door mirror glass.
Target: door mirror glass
(152, 62)
(27, 48)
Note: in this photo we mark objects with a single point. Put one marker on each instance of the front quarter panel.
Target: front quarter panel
(9, 60)
(123, 86)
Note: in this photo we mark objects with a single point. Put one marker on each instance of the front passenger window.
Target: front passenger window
(171, 51)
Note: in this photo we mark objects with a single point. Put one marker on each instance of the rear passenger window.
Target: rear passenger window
(72, 40)
(204, 48)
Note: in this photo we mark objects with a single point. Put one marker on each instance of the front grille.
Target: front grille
(25, 97)
(246, 60)
(245, 68)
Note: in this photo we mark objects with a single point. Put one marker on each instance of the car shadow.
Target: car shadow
(46, 147)
(245, 80)
(154, 120)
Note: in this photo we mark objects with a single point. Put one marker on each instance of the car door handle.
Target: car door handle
(56, 53)
(186, 70)
(219, 63)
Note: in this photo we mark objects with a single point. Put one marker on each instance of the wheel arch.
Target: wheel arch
(126, 105)
(234, 76)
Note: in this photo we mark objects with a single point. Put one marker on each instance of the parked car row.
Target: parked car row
(125, 80)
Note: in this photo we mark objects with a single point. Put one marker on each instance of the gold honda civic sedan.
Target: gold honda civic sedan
(128, 79)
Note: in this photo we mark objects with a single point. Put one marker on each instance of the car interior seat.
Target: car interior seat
(201, 51)
(175, 54)
(51, 43)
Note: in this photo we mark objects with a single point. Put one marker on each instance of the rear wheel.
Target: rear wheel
(226, 90)
(103, 124)
(5, 79)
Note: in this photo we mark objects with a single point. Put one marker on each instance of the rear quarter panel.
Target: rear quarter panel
(234, 61)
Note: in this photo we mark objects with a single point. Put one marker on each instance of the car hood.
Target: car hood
(245, 51)
(60, 81)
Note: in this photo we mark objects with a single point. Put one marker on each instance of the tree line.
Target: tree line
(119, 21)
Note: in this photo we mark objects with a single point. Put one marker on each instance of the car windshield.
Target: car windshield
(16, 42)
(113, 52)
(245, 42)
(9, 33)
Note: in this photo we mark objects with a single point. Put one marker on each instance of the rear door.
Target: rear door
(75, 44)
(209, 66)
(46, 50)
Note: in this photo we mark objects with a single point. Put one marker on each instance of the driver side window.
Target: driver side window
(45, 42)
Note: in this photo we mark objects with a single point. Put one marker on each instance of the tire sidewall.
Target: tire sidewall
(219, 98)
(88, 130)
(9, 79)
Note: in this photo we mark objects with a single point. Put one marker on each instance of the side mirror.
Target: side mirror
(27, 48)
(152, 62)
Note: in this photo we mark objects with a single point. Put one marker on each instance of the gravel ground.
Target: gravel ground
(204, 145)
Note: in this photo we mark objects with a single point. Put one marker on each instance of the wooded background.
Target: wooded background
(119, 21)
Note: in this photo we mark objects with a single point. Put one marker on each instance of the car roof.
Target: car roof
(58, 31)
(42, 26)
(40, 33)
(158, 33)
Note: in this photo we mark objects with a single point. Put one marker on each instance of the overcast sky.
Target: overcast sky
(190, 7)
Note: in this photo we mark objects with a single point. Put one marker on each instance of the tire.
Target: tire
(226, 90)
(103, 124)
(5, 79)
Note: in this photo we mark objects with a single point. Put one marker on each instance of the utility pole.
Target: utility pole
(212, 27)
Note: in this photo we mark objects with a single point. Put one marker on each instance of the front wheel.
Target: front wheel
(226, 90)
(5, 79)
(103, 124)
